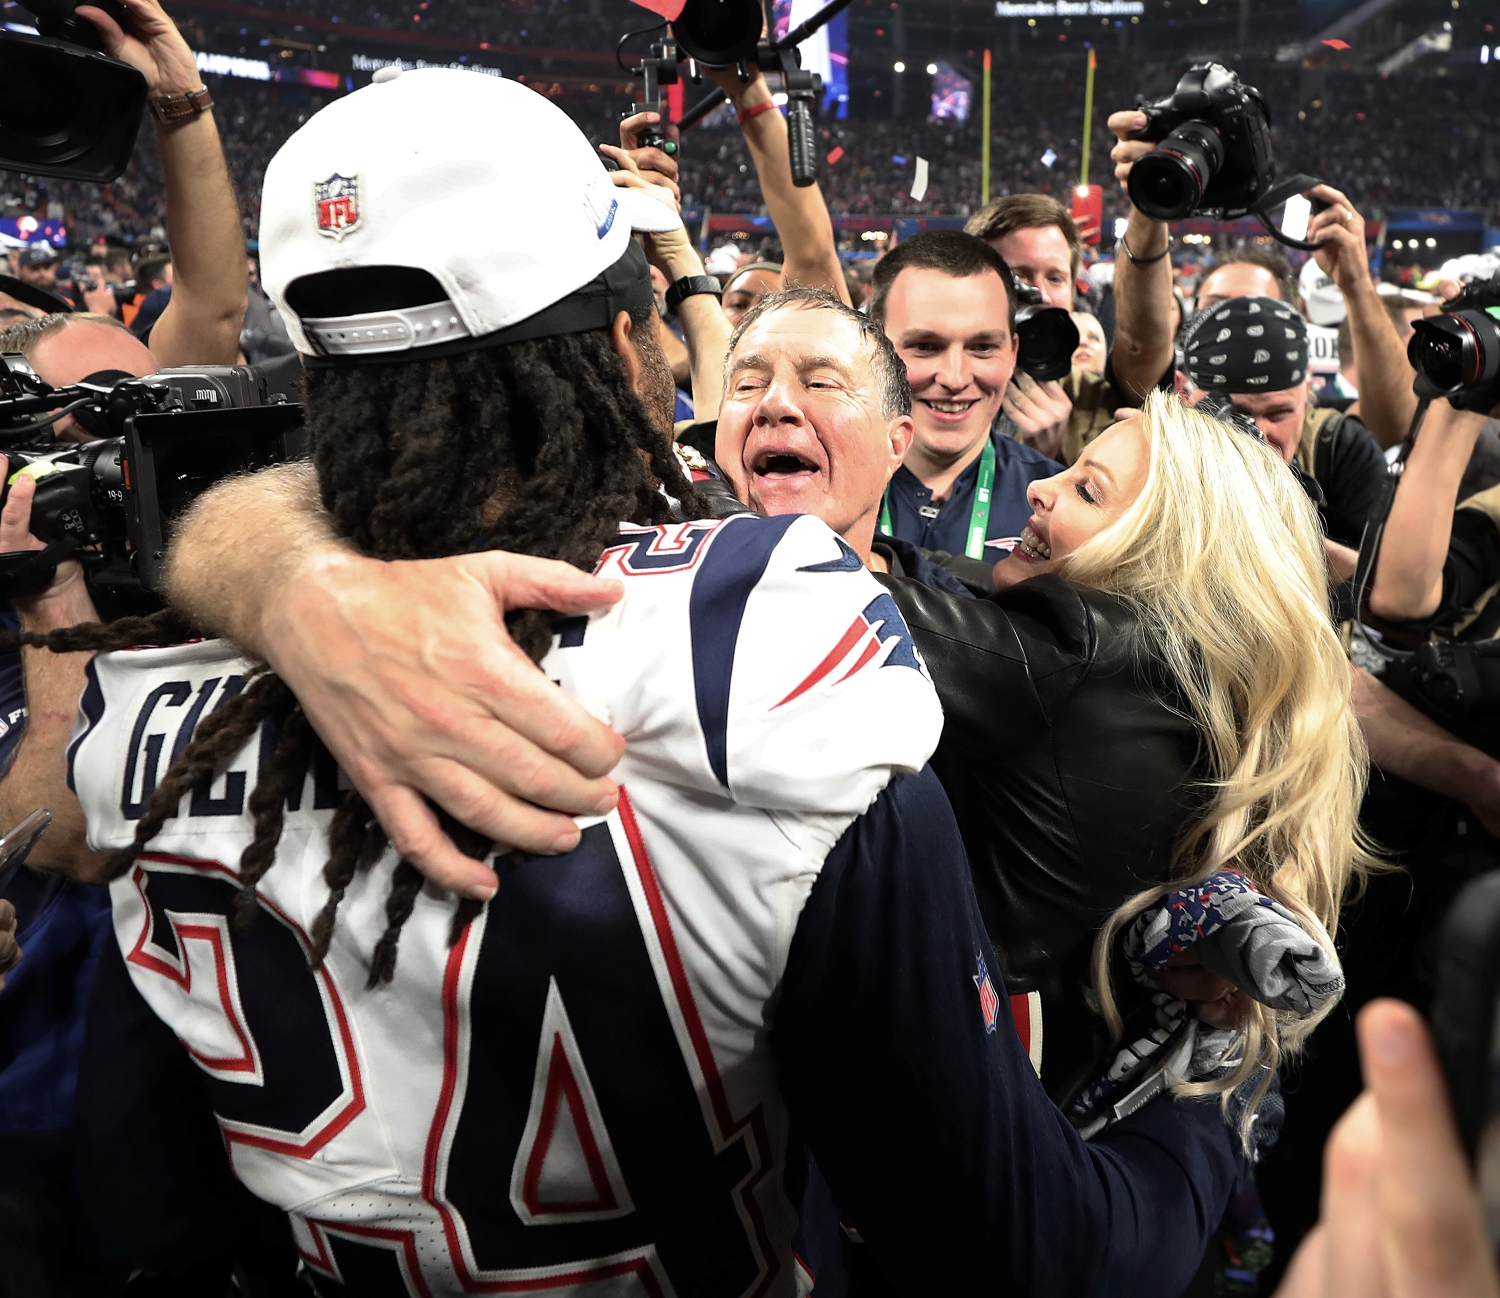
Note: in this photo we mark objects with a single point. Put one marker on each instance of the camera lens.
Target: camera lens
(1048, 340)
(719, 33)
(66, 111)
(1169, 182)
(39, 104)
(1455, 351)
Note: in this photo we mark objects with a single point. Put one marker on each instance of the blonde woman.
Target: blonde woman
(1154, 694)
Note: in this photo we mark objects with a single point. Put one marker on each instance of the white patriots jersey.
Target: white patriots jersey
(577, 1094)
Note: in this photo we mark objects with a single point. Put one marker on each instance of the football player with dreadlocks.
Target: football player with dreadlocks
(589, 1080)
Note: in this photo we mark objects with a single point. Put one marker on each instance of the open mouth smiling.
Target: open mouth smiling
(782, 464)
(948, 407)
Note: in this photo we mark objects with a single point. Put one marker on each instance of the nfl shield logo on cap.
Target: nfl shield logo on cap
(336, 201)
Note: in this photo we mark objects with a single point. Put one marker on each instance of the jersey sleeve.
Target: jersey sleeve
(754, 660)
(903, 1073)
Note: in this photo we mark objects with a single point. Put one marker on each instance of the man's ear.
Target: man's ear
(1180, 384)
(623, 343)
(902, 432)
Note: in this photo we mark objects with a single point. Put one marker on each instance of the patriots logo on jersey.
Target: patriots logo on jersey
(989, 999)
(879, 626)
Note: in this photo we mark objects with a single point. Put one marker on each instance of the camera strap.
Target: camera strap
(979, 513)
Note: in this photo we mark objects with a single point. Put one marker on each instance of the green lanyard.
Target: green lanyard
(979, 519)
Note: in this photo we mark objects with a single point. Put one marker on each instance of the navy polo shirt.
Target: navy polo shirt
(914, 518)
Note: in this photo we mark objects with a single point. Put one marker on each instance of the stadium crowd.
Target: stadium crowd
(1421, 151)
(767, 772)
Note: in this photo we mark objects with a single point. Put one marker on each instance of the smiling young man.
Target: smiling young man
(944, 301)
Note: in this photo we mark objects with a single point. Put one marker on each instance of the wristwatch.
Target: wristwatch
(691, 286)
(178, 108)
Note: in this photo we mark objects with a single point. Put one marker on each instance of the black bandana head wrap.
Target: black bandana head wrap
(1246, 344)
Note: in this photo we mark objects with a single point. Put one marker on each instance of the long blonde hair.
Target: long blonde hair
(1222, 556)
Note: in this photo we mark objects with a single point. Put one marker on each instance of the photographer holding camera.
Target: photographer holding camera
(1039, 241)
(1438, 565)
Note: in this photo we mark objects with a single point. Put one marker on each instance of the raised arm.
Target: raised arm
(1386, 400)
(1405, 743)
(811, 257)
(1408, 581)
(405, 669)
(705, 327)
(201, 324)
(1142, 350)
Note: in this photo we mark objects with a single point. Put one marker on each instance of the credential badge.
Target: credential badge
(336, 202)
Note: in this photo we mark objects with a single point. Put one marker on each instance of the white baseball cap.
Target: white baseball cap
(480, 183)
(1325, 303)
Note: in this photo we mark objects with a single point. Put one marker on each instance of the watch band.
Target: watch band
(178, 108)
(691, 286)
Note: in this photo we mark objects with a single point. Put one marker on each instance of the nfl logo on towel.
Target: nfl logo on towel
(989, 999)
(336, 201)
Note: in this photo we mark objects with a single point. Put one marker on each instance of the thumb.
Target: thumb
(109, 29)
(1430, 1206)
(520, 581)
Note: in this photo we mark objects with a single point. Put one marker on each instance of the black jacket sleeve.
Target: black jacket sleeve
(1070, 766)
(914, 1095)
(1472, 566)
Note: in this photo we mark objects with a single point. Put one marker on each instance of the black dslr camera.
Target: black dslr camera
(1214, 148)
(1047, 333)
(1457, 354)
(1460, 674)
(164, 440)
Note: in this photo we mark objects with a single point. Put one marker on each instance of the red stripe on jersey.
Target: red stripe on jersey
(677, 971)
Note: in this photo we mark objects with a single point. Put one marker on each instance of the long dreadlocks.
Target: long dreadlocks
(408, 457)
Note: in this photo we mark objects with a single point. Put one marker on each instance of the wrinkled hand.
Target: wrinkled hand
(1217, 1001)
(1040, 412)
(1400, 1215)
(658, 167)
(1127, 152)
(409, 676)
(150, 42)
(10, 951)
(15, 536)
(1342, 257)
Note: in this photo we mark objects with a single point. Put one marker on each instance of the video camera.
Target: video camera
(1457, 354)
(168, 438)
(727, 34)
(66, 109)
(1048, 336)
(1214, 157)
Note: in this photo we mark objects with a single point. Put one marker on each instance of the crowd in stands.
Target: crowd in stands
(978, 974)
(1382, 154)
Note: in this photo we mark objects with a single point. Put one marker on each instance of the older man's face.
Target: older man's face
(801, 430)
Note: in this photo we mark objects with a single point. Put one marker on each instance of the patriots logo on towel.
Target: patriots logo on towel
(336, 203)
(989, 999)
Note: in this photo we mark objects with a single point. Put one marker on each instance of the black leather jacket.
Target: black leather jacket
(1072, 774)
